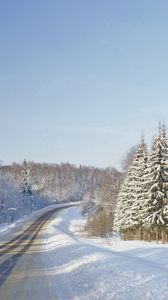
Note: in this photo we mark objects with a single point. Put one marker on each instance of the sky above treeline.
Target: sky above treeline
(81, 79)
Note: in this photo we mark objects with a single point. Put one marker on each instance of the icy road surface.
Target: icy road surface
(41, 258)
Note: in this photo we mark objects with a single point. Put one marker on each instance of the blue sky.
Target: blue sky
(81, 79)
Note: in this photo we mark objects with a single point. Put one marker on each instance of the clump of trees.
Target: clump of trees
(142, 206)
(100, 224)
(102, 203)
(11, 199)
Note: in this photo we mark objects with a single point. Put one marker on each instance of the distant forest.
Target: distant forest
(29, 186)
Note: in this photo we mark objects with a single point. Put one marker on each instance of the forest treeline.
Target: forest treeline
(29, 186)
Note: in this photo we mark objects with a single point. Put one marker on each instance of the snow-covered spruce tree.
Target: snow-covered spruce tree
(138, 169)
(26, 181)
(156, 186)
(129, 212)
(121, 208)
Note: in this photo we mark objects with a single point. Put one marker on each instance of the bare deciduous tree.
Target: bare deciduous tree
(128, 159)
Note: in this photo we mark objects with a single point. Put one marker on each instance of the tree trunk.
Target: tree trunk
(141, 233)
(157, 237)
(144, 235)
(166, 236)
(163, 236)
(30, 204)
(149, 236)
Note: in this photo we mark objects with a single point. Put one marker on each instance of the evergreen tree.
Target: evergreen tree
(121, 208)
(26, 180)
(138, 170)
(128, 216)
(156, 203)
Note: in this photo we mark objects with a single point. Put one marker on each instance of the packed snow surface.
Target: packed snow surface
(105, 268)
(83, 268)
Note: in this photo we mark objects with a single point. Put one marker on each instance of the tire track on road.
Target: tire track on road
(7, 266)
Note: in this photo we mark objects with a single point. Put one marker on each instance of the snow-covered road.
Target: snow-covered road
(46, 260)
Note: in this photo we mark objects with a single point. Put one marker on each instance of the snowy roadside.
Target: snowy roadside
(6, 227)
(74, 223)
(103, 269)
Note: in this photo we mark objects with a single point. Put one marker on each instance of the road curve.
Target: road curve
(21, 251)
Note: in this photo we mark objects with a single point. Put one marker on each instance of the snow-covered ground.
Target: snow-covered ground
(79, 268)
(106, 269)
